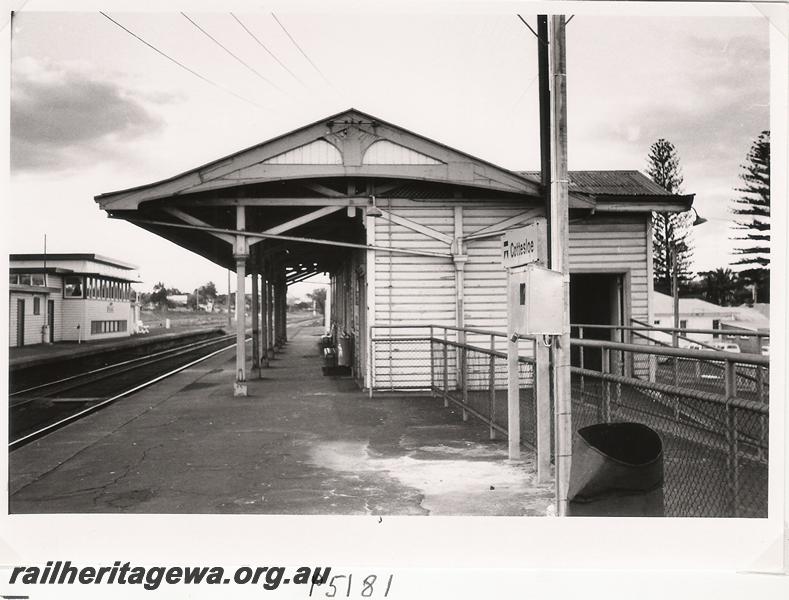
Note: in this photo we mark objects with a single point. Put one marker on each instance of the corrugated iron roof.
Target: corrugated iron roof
(609, 183)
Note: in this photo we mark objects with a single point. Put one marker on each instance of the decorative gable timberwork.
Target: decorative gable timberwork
(384, 152)
(349, 144)
(319, 152)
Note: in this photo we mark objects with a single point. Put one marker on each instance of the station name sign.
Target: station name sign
(525, 245)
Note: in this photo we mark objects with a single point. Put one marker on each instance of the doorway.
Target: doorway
(51, 319)
(596, 299)
(20, 322)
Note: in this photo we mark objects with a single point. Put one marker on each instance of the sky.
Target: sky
(95, 110)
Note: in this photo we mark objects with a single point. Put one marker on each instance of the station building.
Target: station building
(68, 297)
(408, 228)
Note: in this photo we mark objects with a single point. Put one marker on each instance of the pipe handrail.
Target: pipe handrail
(720, 355)
(448, 327)
(683, 392)
(672, 329)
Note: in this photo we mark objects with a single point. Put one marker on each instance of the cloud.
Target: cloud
(63, 117)
(711, 105)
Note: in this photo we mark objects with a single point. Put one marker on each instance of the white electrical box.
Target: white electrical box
(535, 300)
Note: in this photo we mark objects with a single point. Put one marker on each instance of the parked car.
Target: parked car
(727, 346)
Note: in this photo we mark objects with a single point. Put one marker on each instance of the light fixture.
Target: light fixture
(699, 219)
(373, 211)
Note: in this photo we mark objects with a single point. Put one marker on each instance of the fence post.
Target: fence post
(605, 406)
(464, 378)
(492, 386)
(513, 398)
(370, 360)
(446, 370)
(432, 365)
(581, 350)
(762, 417)
(653, 363)
(372, 365)
(542, 399)
(732, 459)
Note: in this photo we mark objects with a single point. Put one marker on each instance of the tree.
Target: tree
(319, 297)
(720, 286)
(207, 291)
(159, 295)
(670, 231)
(752, 231)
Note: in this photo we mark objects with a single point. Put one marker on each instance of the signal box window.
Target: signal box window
(36, 305)
(72, 287)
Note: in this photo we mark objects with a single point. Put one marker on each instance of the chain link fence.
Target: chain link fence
(710, 408)
(714, 429)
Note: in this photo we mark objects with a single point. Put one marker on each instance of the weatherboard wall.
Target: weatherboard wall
(422, 290)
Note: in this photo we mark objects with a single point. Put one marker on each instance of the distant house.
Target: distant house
(76, 297)
(748, 319)
(695, 313)
(178, 300)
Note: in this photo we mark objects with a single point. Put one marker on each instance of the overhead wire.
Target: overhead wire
(262, 45)
(299, 48)
(239, 59)
(183, 66)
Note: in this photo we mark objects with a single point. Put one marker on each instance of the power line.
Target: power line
(523, 94)
(170, 58)
(262, 45)
(314, 66)
(218, 43)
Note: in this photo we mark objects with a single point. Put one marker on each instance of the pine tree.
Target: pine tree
(670, 231)
(753, 232)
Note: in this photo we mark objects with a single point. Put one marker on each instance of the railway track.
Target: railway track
(41, 409)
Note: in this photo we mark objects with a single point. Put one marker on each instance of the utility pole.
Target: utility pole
(559, 220)
(229, 316)
(45, 329)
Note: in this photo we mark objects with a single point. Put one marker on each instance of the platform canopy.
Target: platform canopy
(314, 183)
(305, 193)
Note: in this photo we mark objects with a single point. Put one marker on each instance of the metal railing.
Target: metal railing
(711, 413)
(710, 407)
(674, 367)
(466, 368)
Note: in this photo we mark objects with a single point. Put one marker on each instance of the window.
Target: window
(716, 324)
(657, 322)
(72, 287)
(683, 324)
(97, 327)
(36, 305)
(27, 279)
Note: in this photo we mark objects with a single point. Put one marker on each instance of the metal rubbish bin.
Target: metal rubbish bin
(617, 471)
(344, 350)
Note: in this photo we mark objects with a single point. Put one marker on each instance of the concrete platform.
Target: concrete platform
(41, 354)
(300, 443)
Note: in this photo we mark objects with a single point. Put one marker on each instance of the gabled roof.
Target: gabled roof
(620, 190)
(336, 146)
(664, 304)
